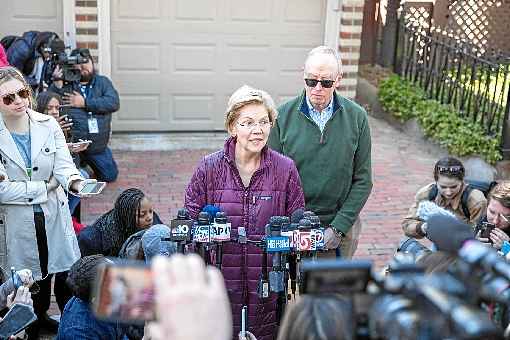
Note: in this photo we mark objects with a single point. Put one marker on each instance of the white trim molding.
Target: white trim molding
(103, 31)
(332, 25)
(69, 23)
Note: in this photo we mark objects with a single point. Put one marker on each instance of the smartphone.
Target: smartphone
(19, 317)
(79, 144)
(486, 230)
(92, 188)
(124, 292)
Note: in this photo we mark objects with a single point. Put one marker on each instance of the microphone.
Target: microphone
(220, 232)
(447, 232)
(202, 233)
(426, 209)
(297, 215)
(180, 229)
(212, 210)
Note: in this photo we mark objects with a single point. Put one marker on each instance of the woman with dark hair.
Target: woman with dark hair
(447, 191)
(132, 212)
(49, 103)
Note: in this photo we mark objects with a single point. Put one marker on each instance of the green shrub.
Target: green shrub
(441, 123)
(400, 97)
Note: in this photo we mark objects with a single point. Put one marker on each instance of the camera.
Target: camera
(58, 56)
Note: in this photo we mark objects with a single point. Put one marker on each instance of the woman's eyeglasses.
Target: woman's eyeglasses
(8, 99)
(250, 125)
(326, 83)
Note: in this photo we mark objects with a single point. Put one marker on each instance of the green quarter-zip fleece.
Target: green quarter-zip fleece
(335, 165)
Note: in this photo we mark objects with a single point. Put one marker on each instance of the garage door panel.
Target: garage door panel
(18, 16)
(196, 10)
(192, 106)
(140, 108)
(26, 9)
(138, 57)
(136, 9)
(250, 11)
(247, 58)
(299, 11)
(192, 59)
(187, 63)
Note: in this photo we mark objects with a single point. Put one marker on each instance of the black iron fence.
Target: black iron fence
(474, 81)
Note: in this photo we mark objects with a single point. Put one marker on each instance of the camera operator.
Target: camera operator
(92, 101)
(28, 54)
(498, 215)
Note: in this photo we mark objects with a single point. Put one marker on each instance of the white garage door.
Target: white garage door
(18, 16)
(176, 62)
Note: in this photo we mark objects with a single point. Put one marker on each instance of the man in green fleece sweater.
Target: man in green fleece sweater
(328, 138)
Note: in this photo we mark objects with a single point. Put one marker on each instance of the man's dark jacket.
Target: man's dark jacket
(24, 51)
(101, 101)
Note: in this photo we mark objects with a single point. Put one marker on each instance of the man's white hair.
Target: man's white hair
(328, 51)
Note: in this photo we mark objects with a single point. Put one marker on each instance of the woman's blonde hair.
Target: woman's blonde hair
(8, 73)
(501, 193)
(246, 95)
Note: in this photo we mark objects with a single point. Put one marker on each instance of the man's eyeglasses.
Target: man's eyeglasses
(8, 99)
(326, 83)
(250, 125)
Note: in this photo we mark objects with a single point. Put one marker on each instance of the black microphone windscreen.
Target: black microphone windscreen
(297, 215)
(448, 233)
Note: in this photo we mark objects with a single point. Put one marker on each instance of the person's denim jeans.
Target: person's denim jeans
(103, 164)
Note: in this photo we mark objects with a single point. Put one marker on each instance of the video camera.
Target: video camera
(405, 304)
(58, 56)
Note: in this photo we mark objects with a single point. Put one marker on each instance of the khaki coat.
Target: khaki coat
(19, 192)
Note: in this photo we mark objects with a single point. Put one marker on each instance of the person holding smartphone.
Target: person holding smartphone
(37, 169)
(497, 217)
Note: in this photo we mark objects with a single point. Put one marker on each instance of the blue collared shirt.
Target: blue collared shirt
(320, 118)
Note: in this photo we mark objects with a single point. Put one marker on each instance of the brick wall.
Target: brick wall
(351, 22)
(87, 26)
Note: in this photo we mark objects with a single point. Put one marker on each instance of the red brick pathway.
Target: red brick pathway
(400, 167)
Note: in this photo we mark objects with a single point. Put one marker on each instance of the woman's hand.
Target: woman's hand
(23, 296)
(65, 123)
(52, 184)
(248, 336)
(498, 236)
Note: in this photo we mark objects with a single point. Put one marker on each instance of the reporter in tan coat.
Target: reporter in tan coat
(33, 204)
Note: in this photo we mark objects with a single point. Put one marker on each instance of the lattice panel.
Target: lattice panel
(418, 15)
(474, 21)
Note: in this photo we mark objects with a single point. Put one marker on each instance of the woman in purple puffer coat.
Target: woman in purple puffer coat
(250, 183)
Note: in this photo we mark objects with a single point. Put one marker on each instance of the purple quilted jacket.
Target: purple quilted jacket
(275, 189)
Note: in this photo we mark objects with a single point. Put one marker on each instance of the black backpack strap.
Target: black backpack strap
(464, 201)
(433, 192)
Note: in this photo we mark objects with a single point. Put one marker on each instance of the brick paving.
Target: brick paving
(400, 166)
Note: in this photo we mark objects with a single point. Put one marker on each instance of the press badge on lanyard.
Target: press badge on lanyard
(92, 121)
